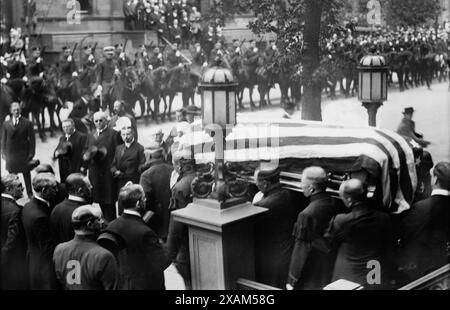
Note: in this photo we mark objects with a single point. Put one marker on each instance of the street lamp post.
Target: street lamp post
(221, 225)
(372, 90)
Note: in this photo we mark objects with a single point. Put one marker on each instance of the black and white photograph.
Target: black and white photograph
(240, 146)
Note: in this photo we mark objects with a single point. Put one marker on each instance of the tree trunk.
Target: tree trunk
(311, 107)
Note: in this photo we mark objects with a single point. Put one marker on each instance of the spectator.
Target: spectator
(312, 260)
(13, 242)
(128, 159)
(424, 230)
(274, 240)
(18, 144)
(80, 193)
(364, 235)
(129, 11)
(97, 267)
(194, 19)
(119, 112)
(143, 260)
(41, 238)
(70, 150)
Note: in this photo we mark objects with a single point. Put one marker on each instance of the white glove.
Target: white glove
(91, 57)
(289, 287)
(178, 54)
(38, 60)
(2, 59)
(255, 50)
(205, 64)
(144, 54)
(4, 63)
(150, 67)
(3, 81)
(238, 50)
(122, 55)
(74, 74)
(8, 75)
(274, 47)
(180, 65)
(25, 79)
(199, 49)
(160, 56)
(41, 75)
(99, 88)
(69, 59)
(117, 72)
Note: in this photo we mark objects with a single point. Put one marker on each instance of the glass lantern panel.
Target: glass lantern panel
(207, 101)
(366, 86)
(232, 108)
(220, 107)
(376, 86)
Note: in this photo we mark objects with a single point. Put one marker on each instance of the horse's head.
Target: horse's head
(131, 78)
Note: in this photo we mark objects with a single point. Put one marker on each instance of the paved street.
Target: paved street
(432, 118)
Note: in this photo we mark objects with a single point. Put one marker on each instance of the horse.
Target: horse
(6, 98)
(179, 79)
(151, 89)
(127, 89)
(33, 101)
(246, 78)
(263, 80)
(52, 102)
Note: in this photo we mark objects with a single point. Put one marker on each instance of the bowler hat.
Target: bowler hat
(64, 150)
(192, 109)
(408, 110)
(95, 153)
(268, 173)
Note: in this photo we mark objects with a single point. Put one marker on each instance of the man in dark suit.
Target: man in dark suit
(79, 190)
(274, 240)
(13, 262)
(312, 260)
(39, 232)
(178, 235)
(128, 159)
(104, 190)
(424, 232)
(365, 240)
(156, 184)
(143, 260)
(70, 150)
(18, 145)
(98, 269)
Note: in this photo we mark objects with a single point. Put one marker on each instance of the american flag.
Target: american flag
(294, 145)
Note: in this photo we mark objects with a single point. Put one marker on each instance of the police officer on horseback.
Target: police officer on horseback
(106, 72)
(68, 71)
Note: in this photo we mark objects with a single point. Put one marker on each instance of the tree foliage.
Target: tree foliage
(302, 27)
(412, 12)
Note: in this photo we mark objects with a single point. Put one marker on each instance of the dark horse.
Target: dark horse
(151, 88)
(127, 89)
(6, 98)
(245, 73)
(179, 79)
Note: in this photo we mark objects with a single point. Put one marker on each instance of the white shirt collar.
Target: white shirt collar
(42, 199)
(127, 145)
(101, 130)
(76, 198)
(8, 196)
(131, 212)
(441, 192)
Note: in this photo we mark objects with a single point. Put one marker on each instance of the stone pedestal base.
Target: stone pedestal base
(221, 242)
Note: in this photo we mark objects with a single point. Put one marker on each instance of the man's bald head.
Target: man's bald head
(314, 180)
(352, 191)
(100, 120)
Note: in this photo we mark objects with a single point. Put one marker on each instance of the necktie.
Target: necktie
(16, 122)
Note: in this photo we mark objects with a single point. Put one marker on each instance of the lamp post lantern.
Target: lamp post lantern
(220, 220)
(218, 94)
(372, 88)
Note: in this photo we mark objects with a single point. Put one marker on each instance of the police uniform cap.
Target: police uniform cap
(107, 49)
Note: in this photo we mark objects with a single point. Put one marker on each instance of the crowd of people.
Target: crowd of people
(178, 21)
(105, 223)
